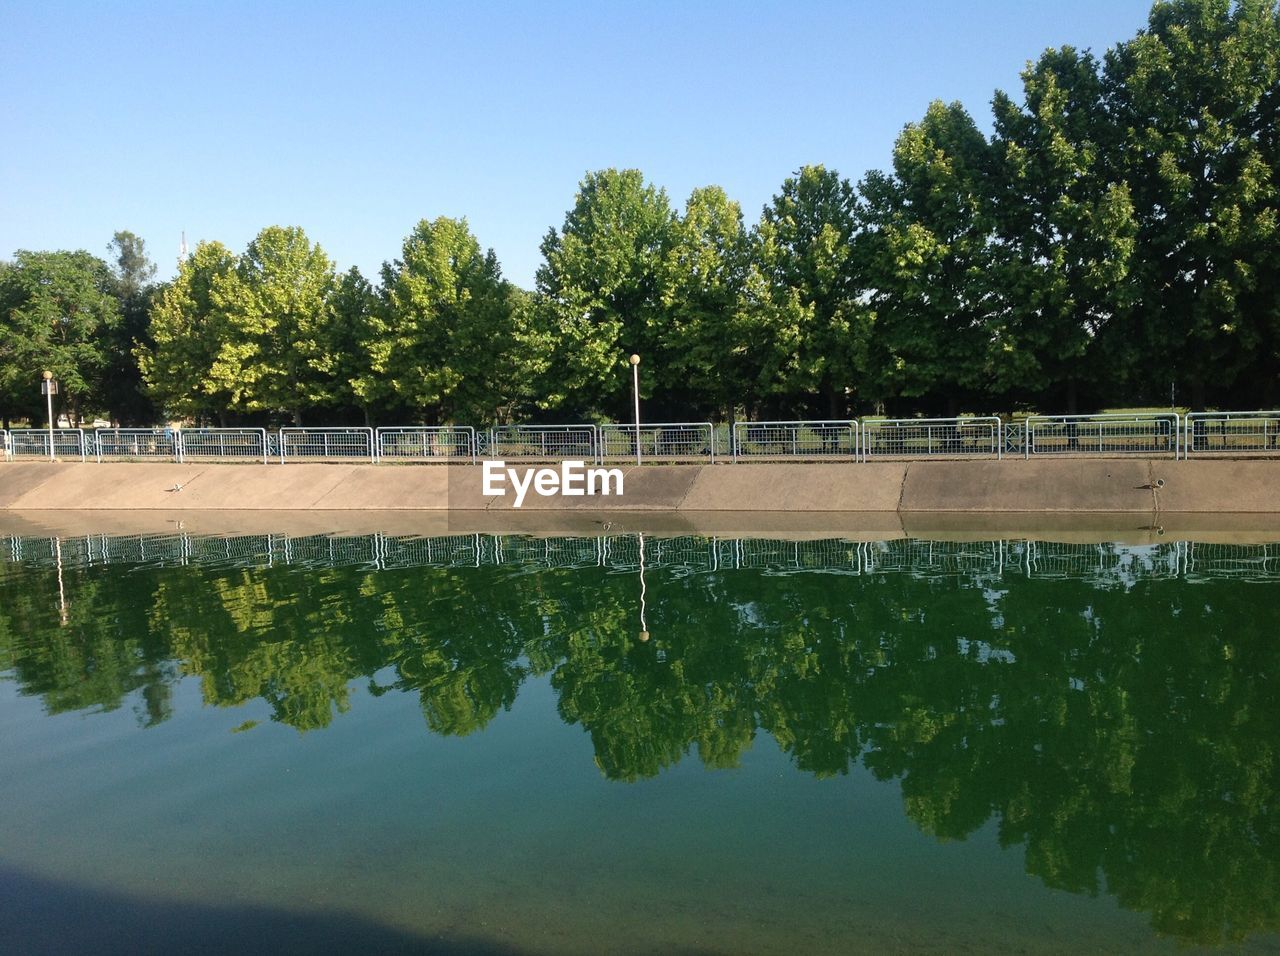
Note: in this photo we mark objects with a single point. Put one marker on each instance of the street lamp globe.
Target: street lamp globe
(47, 375)
(635, 359)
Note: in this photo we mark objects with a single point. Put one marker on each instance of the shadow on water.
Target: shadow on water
(42, 916)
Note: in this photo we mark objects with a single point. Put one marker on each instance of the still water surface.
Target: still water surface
(463, 744)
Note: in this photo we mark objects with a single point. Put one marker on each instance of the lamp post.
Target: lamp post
(635, 391)
(49, 389)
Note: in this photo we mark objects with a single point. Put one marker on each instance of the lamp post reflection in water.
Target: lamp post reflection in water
(62, 594)
(644, 628)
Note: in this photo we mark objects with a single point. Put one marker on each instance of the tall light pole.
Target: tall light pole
(48, 394)
(635, 391)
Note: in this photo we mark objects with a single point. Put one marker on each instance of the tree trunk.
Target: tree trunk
(1197, 394)
(834, 396)
(1073, 396)
(297, 418)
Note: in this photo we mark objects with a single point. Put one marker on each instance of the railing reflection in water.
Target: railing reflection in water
(1104, 564)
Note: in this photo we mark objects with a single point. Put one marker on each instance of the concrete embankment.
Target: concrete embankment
(1136, 487)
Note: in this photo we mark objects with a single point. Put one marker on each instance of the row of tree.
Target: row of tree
(1115, 238)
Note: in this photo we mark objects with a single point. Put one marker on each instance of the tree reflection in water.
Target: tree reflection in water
(1117, 717)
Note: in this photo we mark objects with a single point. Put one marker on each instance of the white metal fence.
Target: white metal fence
(932, 438)
(543, 442)
(1156, 433)
(789, 441)
(669, 442)
(327, 444)
(222, 444)
(1231, 433)
(135, 444)
(1223, 434)
(34, 443)
(442, 444)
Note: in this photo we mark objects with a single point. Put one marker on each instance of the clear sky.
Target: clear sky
(354, 121)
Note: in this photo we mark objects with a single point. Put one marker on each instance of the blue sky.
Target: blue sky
(355, 121)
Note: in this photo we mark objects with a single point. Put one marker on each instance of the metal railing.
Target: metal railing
(34, 443)
(445, 443)
(219, 444)
(135, 444)
(1014, 437)
(669, 442)
(788, 441)
(327, 444)
(1222, 433)
(544, 442)
(971, 437)
(1141, 433)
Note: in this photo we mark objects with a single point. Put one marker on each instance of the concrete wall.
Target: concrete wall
(1093, 486)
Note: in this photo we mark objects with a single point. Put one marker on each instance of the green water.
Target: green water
(463, 745)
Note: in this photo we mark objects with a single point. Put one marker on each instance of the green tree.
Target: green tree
(134, 272)
(187, 329)
(930, 258)
(277, 307)
(132, 267)
(444, 341)
(601, 284)
(56, 311)
(1196, 96)
(714, 364)
(345, 342)
(809, 287)
(1066, 231)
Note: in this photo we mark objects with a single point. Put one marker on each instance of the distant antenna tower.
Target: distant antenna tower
(182, 249)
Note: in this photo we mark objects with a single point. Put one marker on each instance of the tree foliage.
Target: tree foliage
(809, 288)
(1196, 98)
(188, 327)
(1065, 230)
(602, 290)
(57, 311)
(932, 257)
(713, 357)
(123, 389)
(276, 305)
(444, 340)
